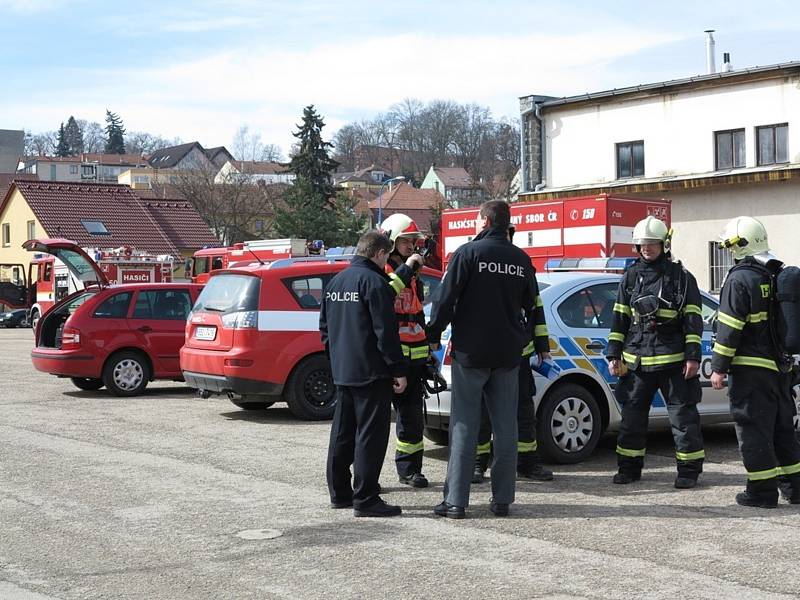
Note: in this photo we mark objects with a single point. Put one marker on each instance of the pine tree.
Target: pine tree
(311, 161)
(62, 148)
(73, 136)
(115, 134)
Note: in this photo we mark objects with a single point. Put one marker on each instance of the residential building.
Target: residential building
(12, 146)
(456, 185)
(145, 178)
(422, 205)
(188, 157)
(219, 156)
(718, 146)
(88, 166)
(254, 171)
(371, 177)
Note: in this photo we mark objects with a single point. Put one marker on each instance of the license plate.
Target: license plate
(205, 333)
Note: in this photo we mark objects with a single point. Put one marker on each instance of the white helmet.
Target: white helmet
(744, 236)
(400, 225)
(650, 231)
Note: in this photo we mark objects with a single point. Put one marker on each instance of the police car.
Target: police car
(575, 400)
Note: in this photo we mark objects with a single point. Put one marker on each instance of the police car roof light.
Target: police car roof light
(588, 264)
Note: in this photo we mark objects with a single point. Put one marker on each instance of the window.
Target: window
(591, 307)
(53, 175)
(73, 169)
(165, 305)
(46, 271)
(141, 179)
(773, 144)
(630, 159)
(729, 149)
(87, 171)
(31, 230)
(95, 227)
(709, 310)
(115, 307)
(216, 263)
(308, 290)
(259, 226)
(429, 286)
(719, 260)
(6, 234)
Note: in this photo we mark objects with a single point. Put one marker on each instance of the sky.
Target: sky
(199, 70)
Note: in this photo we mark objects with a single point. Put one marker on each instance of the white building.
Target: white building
(717, 145)
(253, 172)
(89, 166)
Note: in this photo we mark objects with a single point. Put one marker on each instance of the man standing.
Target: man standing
(488, 287)
(760, 389)
(359, 331)
(402, 268)
(656, 332)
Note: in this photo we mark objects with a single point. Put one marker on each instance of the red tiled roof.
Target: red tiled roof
(255, 167)
(182, 224)
(60, 207)
(404, 196)
(7, 178)
(455, 177)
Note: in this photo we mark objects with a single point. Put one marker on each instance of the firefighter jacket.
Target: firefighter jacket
(657, 321)
(359, 327)
(537, 326)
(408, 310)
(488, 287)
(744, 337)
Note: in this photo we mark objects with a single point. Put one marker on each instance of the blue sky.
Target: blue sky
(201, 69)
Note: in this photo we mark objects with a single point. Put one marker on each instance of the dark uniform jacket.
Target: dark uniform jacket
(537, 326)
(359, 327)
(489, 287)
(657, 320)
(743, 327)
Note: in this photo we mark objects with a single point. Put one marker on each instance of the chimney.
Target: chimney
(727, 67)
(711, 61)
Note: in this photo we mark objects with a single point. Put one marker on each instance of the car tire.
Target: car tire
(126, 373)
(569, 424)
(440, 437)
(252, 405)
(34, 319)
(310, 392)
(87, 383)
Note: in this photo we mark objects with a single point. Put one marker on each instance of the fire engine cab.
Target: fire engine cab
(206, 261)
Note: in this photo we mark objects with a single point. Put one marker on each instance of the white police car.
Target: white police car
(577, 405)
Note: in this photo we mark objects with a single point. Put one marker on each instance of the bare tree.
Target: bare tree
(94, 136)
(141, 142)
(41, 144)
(247, 145)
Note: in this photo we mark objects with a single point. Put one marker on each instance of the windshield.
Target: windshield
(229, 293)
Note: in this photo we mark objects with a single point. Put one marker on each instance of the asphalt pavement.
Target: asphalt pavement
(171, 496)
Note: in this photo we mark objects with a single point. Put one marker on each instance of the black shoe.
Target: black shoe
(498, 509)
(342, 504)
(535, 472)
(788, 493)
(451, 511)
(379, 509)
(685, 483)
(624, 477)
(747, 499)
(477, 475)
(415, 480)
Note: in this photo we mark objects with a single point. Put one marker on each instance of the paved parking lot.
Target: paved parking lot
(171, 496)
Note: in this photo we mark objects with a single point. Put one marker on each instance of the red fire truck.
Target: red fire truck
(590, 226)
(207, 260)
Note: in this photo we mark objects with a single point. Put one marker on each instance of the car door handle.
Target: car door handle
(595, 346)
(145, 329)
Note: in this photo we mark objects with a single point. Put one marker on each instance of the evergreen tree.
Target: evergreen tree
(311, 160)
(62, 148)
(115, 134)
(73, 136)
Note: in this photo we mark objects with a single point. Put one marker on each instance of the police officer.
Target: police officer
(359, 330)
(654, 345)
(488, 286)
(529, 464)
(402, 267)
(760, 383)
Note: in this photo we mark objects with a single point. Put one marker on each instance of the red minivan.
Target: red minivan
(117, 336)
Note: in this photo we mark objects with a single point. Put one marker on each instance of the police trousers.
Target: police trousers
(359, 437)
(498, 388)
(409, 423)
(763, 411)
(634, 392)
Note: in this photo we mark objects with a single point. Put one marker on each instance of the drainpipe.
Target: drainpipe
(523, 183)
(538, 114)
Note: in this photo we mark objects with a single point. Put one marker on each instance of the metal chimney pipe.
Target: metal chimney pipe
(711, 61)
(727, 67)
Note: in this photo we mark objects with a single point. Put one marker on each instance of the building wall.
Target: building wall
(17, 213)
(677, 129)
(12, 145)
(430, 182)
(196, 160)
(63, 172)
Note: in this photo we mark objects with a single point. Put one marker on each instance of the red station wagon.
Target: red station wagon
(254, 335)
(117, 336)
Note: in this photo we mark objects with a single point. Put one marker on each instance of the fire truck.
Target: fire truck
(207, 260)
(598, 226)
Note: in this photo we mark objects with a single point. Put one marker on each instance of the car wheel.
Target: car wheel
(34, 319)
(310, 392)
(87, 383)
(126, 374)
(569, 424)
(440, 437)
(252, 405)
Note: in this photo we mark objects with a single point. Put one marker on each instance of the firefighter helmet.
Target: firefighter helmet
(650, 231)
(744, 236)
(400, 225)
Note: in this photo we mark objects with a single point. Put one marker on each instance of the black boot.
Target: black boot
(529, 466)
(481, 464)
(625, 476)
(789, 487)
(759, 494)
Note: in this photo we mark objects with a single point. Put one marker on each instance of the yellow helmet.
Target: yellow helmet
(400, 225)
(744, 236)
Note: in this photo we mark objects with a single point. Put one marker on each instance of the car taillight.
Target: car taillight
(70, 339)
(246, 319)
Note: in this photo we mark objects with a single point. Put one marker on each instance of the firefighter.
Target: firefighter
(529, 464)
(359, 331)
(402, 268)
(760, 390)
(654, 344)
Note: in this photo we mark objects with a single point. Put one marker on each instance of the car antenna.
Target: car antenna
(250, 250)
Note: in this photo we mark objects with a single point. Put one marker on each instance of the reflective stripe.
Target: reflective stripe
(755, 361)
(628, 452)
(616, 337)
(484, 448)
(692, 309)
(621, 308)
(731, 321)
(396, 283)
(693, 339)
(415, 352)
(406, 448)
(691, 455)
(539, 301)
(789, 469)
(540, 330)
(666, 312)
(757, 317)
(527, 446)
(528, 350)
(761, 475)
(724, 350)
(658, 359)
